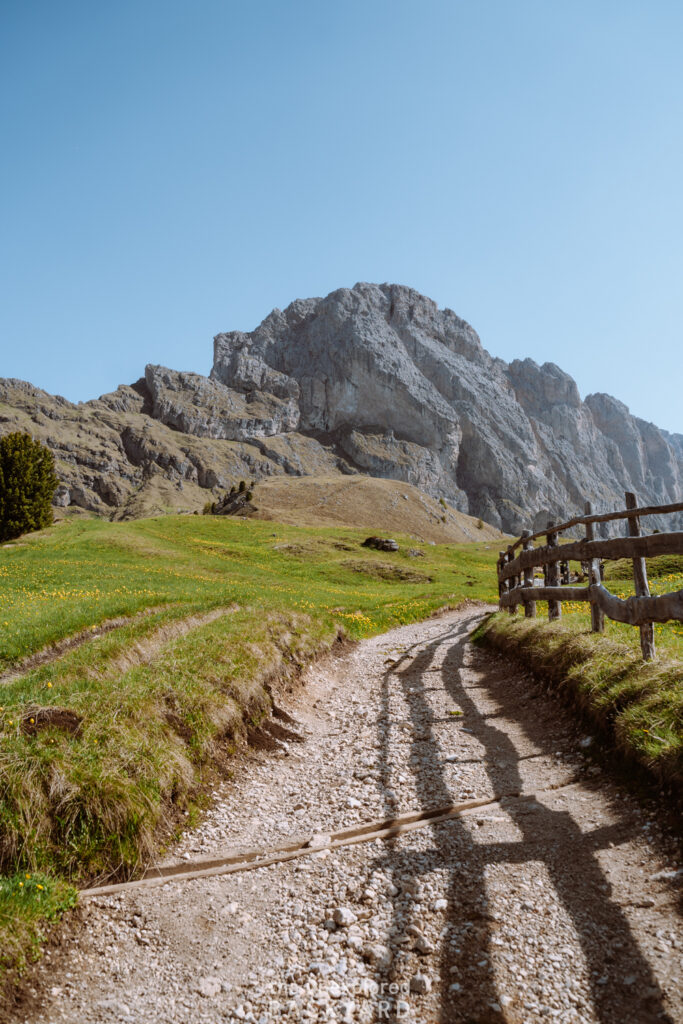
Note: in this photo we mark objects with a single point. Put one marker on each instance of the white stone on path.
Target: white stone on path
(209, 987)
(343, 917)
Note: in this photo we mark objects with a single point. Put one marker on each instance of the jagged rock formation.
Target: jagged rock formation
(197, 405)
(114, 457)
(373, 379)
(407, 391)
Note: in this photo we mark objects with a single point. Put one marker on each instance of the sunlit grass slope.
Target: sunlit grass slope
(104, 749)
(79, 574)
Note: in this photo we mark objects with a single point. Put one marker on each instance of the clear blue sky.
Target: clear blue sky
(174, 169)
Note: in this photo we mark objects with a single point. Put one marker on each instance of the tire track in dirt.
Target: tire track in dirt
(139, 651)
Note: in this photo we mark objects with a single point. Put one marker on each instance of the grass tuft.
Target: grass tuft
(29, 904)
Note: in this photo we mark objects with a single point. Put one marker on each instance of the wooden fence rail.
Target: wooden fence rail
(516, 573)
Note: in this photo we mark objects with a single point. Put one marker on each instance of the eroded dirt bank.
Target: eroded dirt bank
(556, 908)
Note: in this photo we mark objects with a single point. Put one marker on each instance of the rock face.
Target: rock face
(374, 379)
(115, 458)
(407, 391)
(206, 408)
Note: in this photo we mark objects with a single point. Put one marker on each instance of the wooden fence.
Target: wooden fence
(516, 583)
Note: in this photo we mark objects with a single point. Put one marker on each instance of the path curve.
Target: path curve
(560, 908)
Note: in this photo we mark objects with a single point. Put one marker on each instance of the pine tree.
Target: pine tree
(27, 484)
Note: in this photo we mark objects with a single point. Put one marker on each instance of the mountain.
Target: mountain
(374, 379)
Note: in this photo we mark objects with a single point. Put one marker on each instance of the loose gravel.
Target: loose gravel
(560, 908)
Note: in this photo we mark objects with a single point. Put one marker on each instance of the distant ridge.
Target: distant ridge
(374, 379)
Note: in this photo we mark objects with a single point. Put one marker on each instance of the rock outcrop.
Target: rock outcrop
(115, 458)
(373, 379)
(206, 408)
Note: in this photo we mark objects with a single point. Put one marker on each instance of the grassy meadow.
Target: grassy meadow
(665, 574)
(105, 749)
(80, 573)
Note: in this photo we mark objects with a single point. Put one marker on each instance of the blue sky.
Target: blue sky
(174, 169)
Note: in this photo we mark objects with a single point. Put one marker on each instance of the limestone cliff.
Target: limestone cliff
(407, 391)
(374, 379)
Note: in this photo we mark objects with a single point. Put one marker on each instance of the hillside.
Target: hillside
(373, 380)
(373, 504)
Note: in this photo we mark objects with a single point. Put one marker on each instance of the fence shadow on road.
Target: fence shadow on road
(548, 836)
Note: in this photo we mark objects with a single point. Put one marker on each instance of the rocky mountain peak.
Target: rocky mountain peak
(500, 440)
(372, 379)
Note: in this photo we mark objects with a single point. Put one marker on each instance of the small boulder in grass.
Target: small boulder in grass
(380, 543)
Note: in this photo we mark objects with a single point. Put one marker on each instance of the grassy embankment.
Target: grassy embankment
(637, 705)
(103, 751)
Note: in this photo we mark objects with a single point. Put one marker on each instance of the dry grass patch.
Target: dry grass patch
(367, 502)
(386, 571)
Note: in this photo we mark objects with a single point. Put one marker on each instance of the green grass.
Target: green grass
(29, 903)
(663, 569)
(637, 705)
(78, 574)
(106, 750)
(665, 574)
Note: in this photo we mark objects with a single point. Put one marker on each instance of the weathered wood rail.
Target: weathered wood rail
(516, 583)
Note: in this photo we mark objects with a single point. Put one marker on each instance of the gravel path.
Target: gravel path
(560, 908)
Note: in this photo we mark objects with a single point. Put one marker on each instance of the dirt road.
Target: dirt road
(556, 908)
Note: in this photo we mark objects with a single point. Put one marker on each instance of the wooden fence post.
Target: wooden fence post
(529, 606)
(512, 582)
(647, 632)
(502, 584)
(554, 607)
(594, 577)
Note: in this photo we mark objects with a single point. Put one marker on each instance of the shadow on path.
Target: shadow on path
(551, 837)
